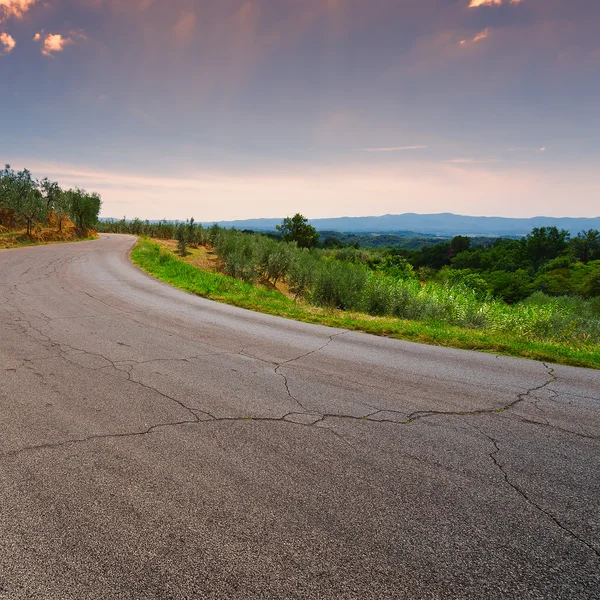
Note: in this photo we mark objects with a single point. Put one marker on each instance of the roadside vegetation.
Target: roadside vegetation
(40, 212)
(386, 293)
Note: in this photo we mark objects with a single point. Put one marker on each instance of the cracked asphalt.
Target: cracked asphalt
(158, 445)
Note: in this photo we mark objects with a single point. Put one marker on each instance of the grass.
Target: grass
(19, 239)
(162, 263)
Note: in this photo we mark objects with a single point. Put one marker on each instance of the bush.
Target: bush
(301, 272)
(275, 259)
(338, 285)
(378, 296)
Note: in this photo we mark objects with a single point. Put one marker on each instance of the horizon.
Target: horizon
(371, 216)
(249, 108)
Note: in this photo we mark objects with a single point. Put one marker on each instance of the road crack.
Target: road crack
(197, 421)
(278, 366)
(422, 414)
(54, 445)
(521, 492)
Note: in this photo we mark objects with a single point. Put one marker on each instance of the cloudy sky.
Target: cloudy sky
(225, 109)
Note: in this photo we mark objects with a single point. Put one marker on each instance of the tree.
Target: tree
(182, 241)
(333, 242)
(83, 207)
(6, 211)
(297, 229)
(23, 197)
(94, 203)
(555, 278)
(437, 256)
(191, 231)
(468, 259)
(586, 246)
(50, 190)
(60, 207)
(592, 284)
(511, 286)
(459, 243)
(6, 175)
(544, 244)
(275, 258)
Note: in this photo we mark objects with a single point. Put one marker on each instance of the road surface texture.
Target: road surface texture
(158, 445)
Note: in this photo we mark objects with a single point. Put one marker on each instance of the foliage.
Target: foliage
(508, 269)
(544, 244)
(296, 229)
(408, 240)
(338, 285)
(83, 207)
(545, 260)
(586, 246)
(182, 241)
(26, 201)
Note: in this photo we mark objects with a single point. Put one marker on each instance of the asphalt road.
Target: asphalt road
(158, 445)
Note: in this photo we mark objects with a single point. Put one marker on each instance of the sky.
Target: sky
(233, 109)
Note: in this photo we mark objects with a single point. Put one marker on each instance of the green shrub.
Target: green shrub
(338, 285)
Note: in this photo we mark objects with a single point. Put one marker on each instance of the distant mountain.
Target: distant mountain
(442, 224)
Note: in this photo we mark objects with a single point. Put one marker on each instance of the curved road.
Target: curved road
(158, 445)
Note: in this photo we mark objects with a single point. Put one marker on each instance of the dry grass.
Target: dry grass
(199, 256)
(43, 235)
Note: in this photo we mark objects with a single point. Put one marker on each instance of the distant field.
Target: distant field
(510, 330)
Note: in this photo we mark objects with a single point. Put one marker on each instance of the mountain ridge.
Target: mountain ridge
(433, 224)
(436, 223)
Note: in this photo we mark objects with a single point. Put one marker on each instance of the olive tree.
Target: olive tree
(84, 208)
(61, 207)
(22, 195)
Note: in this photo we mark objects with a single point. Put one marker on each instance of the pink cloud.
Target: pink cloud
(477, 3)
(56, 42)
(482, 35)
(14, 8)
(7, 43)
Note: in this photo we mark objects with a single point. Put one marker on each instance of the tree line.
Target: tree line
(26, 201)
(547, 260)
(292, 229)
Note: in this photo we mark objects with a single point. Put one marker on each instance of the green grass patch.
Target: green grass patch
(166, 266)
